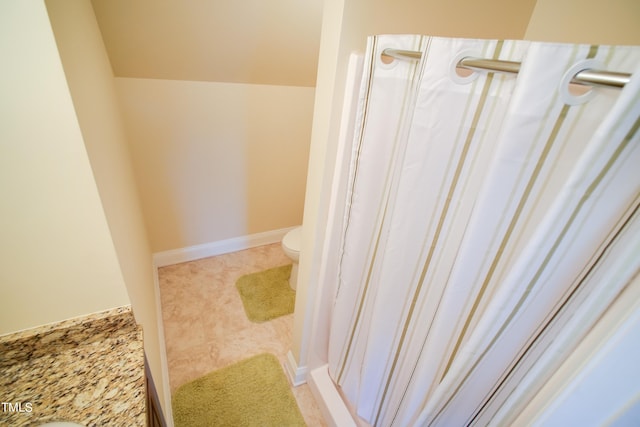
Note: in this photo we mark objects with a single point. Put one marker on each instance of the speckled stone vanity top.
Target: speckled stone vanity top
(88, 370)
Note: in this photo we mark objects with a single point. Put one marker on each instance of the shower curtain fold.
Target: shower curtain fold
(476, 208)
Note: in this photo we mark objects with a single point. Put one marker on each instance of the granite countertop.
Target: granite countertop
(88, 370)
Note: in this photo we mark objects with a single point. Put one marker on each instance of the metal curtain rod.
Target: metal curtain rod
(584, 77)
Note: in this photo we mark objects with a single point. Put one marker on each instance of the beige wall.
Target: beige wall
(216, 160)
(586, 21)
(58, 257)
(91, 85)
(217, 99)
(251, 41)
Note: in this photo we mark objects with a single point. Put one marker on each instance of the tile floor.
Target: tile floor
(205, 325)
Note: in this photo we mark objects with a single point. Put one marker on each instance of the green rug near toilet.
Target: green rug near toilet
(267, 294)
(253, 392)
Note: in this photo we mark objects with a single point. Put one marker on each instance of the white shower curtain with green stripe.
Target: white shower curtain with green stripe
(489, 221)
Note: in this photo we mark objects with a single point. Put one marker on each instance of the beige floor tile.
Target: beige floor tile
(205, 325)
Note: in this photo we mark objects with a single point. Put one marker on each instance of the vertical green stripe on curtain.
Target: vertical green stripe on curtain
(514, 219)
(460, 164)
(551, 140)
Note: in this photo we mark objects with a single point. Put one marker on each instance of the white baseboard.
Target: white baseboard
(192, 253)
(164, 364)
(333, 409)
(297, 374)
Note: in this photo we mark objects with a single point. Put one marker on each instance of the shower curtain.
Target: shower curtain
(489, 220)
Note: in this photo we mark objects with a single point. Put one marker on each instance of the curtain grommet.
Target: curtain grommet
(570, 92)
(391, 62)
(454, 71)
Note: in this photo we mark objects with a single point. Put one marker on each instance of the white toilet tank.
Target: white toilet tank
(291, 243)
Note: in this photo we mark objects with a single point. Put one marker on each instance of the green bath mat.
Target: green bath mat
(253, 392)
(267, 294)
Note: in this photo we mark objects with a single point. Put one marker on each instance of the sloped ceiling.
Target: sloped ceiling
(273, 42)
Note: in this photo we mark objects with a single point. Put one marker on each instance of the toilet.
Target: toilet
(291, 246)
